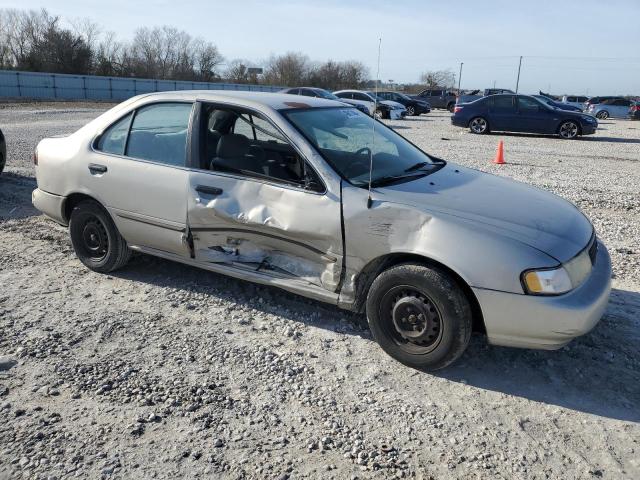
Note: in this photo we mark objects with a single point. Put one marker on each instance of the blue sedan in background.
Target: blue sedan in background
(521, 113)
(553, 103)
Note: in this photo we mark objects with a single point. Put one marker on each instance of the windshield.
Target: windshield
(325, 94)
(345, 137)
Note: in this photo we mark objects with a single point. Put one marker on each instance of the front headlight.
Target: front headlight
(556, 281)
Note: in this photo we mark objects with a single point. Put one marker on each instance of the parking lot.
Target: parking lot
(161, 370)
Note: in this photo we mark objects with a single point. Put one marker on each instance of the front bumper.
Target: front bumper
(589, 128)
(49, 204)
(547, 322)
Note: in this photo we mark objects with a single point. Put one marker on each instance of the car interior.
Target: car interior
(243, 142)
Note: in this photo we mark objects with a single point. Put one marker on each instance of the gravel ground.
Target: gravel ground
(164, 371)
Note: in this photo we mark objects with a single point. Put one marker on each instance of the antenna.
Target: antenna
(373, 129)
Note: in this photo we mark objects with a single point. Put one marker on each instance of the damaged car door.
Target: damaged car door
(257, 205)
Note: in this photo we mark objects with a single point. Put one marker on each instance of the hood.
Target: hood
(392, 104)
(527, 214)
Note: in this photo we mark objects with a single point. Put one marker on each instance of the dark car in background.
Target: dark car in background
(521, 113)
(437, 98)
(634, 111)
(319, 93)
(553, 103)
(413, 106)
(3, 152)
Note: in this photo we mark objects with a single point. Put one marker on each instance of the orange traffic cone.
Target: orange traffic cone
(500, 154)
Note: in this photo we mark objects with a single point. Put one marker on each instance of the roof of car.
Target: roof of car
(277, 101)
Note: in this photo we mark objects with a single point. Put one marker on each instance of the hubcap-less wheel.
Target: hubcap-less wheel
(413, 323)
(604, 114)
(411, 110)
(95, 239)
(568, 130)
(478, 125)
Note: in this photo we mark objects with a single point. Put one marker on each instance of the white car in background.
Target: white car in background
(575, 100)
(380, 109)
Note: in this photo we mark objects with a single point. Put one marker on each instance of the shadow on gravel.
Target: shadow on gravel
(611, 139)
(15, 196)
(598, 373)
(165, 273)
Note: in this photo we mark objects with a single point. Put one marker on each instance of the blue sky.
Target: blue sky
(588, 46)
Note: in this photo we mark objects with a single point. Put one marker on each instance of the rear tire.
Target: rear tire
(419, 316)
(95, 238)
(479, 126)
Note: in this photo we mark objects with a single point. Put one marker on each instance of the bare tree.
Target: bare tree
(289, 69)
(438, 78)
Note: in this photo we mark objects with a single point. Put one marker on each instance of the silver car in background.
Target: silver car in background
(278, 190)
(379, 109)
(616, 107)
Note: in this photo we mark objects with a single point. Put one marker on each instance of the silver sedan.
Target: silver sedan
(278, 190)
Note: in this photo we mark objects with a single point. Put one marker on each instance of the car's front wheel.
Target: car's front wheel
(568, 130)
(602, 115)
(95, 238)
(411, 110)
(479, 125)
(451, 107)
(419, 315)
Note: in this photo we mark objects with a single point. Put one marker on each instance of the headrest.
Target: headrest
(232, 145)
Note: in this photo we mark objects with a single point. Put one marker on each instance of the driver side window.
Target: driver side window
(247, 144)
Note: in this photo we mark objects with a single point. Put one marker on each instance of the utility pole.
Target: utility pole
(460, 78)
(518, 80)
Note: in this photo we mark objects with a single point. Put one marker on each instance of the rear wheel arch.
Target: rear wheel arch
(378, 265)
(74, 199)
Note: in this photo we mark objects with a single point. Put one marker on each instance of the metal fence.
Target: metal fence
(88, 87)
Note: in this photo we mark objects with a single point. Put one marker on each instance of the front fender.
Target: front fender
(482, 257)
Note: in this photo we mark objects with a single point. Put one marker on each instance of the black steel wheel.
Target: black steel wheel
(419, 315)
(95, 238)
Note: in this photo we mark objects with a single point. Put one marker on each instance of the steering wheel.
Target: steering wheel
(365, 152)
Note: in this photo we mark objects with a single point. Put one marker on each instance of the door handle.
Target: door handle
(96, 169)
(207, 190)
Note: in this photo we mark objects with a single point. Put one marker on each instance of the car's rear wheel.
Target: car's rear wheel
(419, 315)
(479, 125)
(602, 115)
(568, 130)
(95, 238)
(411, 110)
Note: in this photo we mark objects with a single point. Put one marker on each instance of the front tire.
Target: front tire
(95, 238)
(451, 107)
(411, 110)
(603, 115)
(568, 130)
(479, 126)
(419, 316)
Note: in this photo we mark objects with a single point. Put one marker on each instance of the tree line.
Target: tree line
(41, 42)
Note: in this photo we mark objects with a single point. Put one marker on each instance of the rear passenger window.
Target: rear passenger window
(159, 133)
(503, 104)
(114, 139)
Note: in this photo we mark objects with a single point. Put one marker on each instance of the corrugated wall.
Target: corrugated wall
(89, 87)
